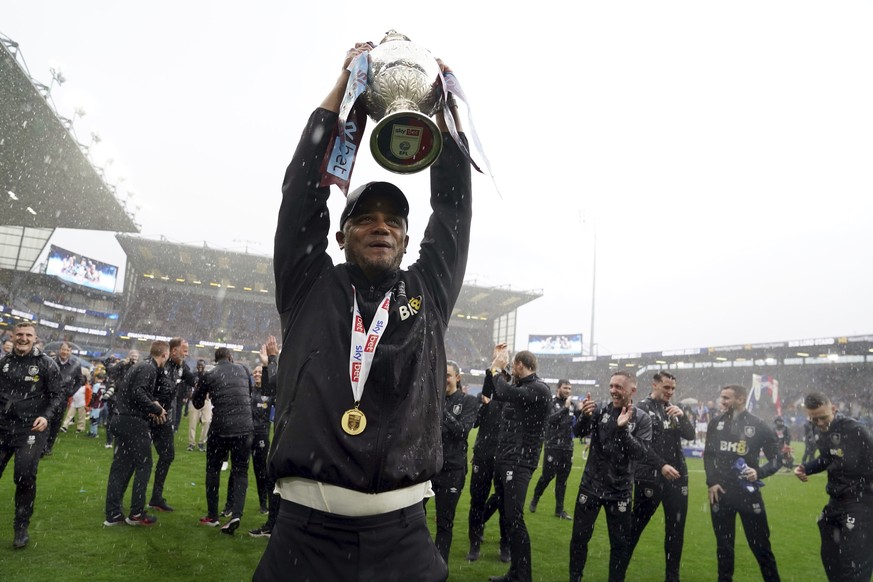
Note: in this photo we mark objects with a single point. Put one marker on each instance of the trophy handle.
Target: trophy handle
(406, 142)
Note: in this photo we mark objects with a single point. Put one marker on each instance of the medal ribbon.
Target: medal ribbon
(364, 343)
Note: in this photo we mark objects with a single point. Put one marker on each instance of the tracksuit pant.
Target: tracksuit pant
(27, 447)
(132, 458)
(846, 529)
(673, 495)
(619, 521)
(750, 508)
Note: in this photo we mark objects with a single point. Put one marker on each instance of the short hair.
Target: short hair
(527, 359)
(176, 342)
(561, 382)
(663, 375)
(21, 324)
(454, 366)
(222, 354)
(815, 400)
(158, 348)
(67, 344)
(739, 391)
(632, 378)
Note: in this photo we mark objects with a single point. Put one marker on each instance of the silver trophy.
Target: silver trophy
(403, 92)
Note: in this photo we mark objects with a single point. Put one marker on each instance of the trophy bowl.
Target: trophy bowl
(403, 92)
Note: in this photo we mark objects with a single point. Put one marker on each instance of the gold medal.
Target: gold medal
(354, 421)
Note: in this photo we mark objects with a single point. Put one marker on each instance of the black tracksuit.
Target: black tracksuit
(135, 400)
(229, 387)
(846, 522)
(730, 436)
(459, 415)
(607, 482)
(526, 407)
(403, 396)
(558, 453)
(262, 404)
(30, 387)
(71, 380)
(482, 507)
(172, 378)
(651, 488)
(114, 377)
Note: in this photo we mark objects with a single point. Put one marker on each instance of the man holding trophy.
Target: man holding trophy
(361, 376)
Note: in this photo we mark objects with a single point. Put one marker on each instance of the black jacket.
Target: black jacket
(846, 453)
(30, 387)
(730, 436)
(666, 443)
(526, 407)
(459, 415)
(177, 378)
(229, 386)
(488, 421)
(614, 451)
(559, 426)
(71, 375)
(135, 394)
(403, 396)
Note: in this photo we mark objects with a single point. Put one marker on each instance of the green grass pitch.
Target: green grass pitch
(68, 541)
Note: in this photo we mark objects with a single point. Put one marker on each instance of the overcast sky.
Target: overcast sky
(721, 151)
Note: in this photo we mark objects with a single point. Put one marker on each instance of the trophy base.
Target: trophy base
(406, 142)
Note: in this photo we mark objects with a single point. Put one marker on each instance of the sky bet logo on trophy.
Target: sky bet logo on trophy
(400, 86)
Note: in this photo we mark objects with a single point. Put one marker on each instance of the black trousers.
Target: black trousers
(217, 449)
(846, 529)
(165, 446)
(110, 414)
(482, 503)
(750, 507)
(132, 458)
(556, 464)
(618, 524)
(27, 447)
(54, 425)
(674, 496)
(312, 545)
(512, 484)
(447, 486)
(260, 451)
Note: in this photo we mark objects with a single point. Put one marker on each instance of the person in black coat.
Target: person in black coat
(136, 405)
(30, 397)
(620, 435)
(459, 414)
(662, 477)
(482, 507)
(229, 386)
(731, 458)
(527, 401)
(846, 522)
(558, 449)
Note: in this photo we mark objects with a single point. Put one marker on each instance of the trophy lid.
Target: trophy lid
(394, 35)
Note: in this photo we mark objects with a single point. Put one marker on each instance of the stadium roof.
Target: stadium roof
(176, 262)
(488, 303)
(45, 179)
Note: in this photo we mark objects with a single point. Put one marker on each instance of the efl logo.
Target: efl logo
(356, 371)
